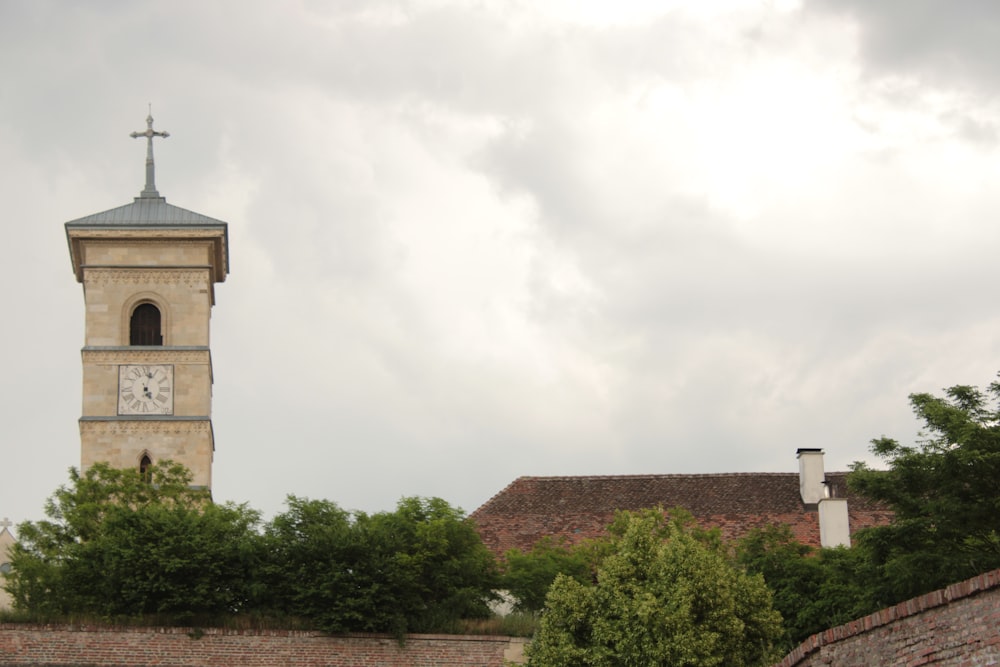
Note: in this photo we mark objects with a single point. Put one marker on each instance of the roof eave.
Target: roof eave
(77, 232)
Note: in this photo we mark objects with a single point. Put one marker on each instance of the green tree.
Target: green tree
(452, 575)
(118, 544)
(667, 594)
(944, 491)
(528, 575)
(814, 589)
(311, 552)
(412, 570)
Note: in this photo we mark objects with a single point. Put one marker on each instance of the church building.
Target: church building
(148, 271)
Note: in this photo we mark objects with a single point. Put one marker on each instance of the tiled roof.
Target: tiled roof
(578, 508)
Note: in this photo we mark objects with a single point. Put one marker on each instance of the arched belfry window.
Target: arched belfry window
(144, 326)
(144, 464)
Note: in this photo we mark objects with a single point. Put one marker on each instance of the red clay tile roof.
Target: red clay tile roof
(579, 508)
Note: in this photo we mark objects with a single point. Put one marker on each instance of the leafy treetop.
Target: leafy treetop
(945, 492)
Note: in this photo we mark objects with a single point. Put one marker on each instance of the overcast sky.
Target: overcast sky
(474, 240)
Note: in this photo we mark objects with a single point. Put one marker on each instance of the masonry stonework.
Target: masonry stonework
(192, 378)
(120, 444)
(958, 626)
(49, 646)
(183, 293)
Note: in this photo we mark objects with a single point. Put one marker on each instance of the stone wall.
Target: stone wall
(958, 626)
(47, 646)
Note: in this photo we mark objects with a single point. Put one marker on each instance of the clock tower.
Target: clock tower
(148, 271)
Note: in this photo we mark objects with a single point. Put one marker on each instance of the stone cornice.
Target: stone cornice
(140, 232)
(147, 354)
(191, 276)
(134, 424)
(215, 235)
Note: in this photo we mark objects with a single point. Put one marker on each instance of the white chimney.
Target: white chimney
(834, 529)
(811, 476)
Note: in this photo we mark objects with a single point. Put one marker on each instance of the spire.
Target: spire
(150, 189)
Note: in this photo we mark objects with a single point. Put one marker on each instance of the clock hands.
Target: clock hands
(145, 389)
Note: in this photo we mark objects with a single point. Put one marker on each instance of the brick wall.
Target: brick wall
(958, 626)
(45, 646)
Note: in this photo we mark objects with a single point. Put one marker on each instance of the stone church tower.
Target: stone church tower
(148, 271)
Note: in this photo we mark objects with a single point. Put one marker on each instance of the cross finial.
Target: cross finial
(5, 523)
(150, 189)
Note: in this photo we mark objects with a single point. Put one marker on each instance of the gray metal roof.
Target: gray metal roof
(146, 212)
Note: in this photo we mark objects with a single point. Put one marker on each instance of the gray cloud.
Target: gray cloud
(945, 44)
(471, 243)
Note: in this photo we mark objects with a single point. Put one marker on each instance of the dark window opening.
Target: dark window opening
(144, 327)
(144, 465)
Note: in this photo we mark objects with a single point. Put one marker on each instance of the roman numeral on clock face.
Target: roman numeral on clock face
(145, 389)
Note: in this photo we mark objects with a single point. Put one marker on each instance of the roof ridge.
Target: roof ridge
(658, 476)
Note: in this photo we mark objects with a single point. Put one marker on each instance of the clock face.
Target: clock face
(146, 390)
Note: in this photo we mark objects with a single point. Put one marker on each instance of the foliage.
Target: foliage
(515, 624)
(308, 552)
(528, 576)
(118, 544)
(666, 594)
(411, 570)
(813, 589)
(945, 493)
(121, 546)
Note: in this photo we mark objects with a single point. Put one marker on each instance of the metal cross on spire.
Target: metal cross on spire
(6, 523)
(150, 189)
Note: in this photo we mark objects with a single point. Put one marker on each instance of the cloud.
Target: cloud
(948, 45)
(471, 242)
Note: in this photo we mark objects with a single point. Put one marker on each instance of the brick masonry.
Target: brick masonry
(48, 646)
(958, 626)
